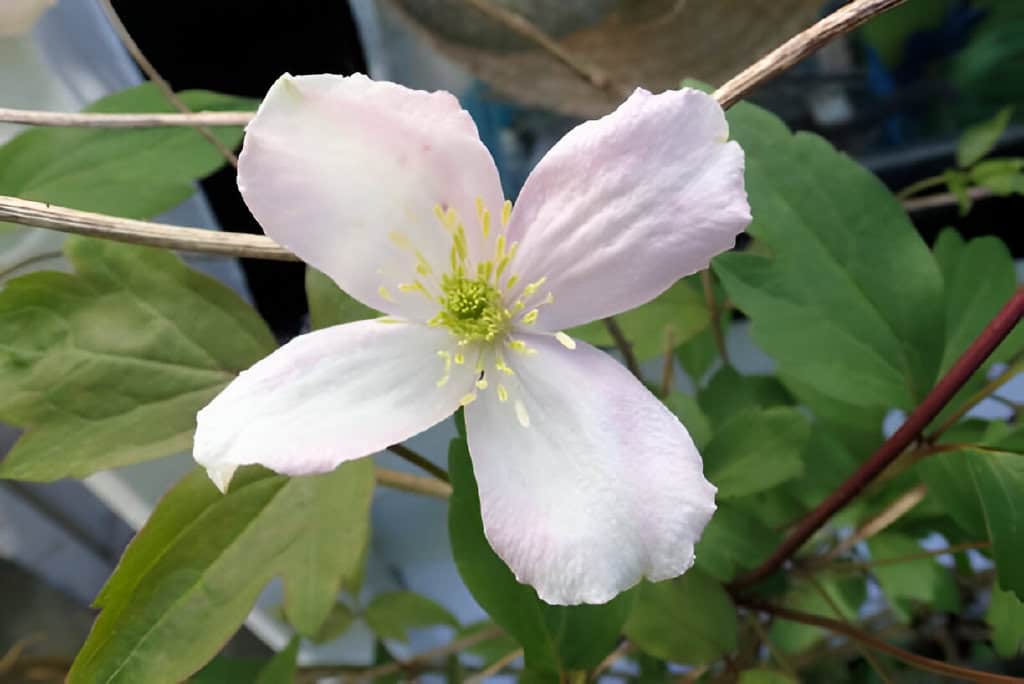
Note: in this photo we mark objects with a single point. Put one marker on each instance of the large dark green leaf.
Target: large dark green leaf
(555, 638)
(850, 300)
(831, 595)
(192, 574)
(689, 620)
(281, 668)
(136, 173)
(911, 583)
(728, 393)
(108, 366)
(1006, 617)
(736, 539)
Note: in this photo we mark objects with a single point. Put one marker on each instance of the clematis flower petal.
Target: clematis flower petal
(624, 206)
(603, 488)
(330, 396)
(346, 172)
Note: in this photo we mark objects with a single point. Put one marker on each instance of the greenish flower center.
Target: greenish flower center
(471, 308)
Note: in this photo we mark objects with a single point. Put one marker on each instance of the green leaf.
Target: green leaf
(690, 619)
(846, 594)
(911, 583)
(699, 354)
(192, 574)
(1006, 617)
(136, 173)
(978, 140)
(338, 621)
(756, 450)
(393, 614)
(108, 366)
(282, 667)
(490, 650)
(554, 638)
(224, 670)
(676, 315)
(1002, 176)
(999, 481)
(734, 540)
(762, 676)
(728, 392)
(330, 305)
(850, 302)
(689, 414)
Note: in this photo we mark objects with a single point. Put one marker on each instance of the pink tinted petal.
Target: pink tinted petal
(330, 396)
(604, 487)
(332, 166)
(624, 206)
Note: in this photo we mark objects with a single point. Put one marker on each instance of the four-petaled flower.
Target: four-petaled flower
(587, 482)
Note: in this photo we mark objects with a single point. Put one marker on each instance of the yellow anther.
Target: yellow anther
(521, 347)
(384, 294)
(511, 282)
(447, 367)
(460, 358)
(502, 393)
(530, 317)
(530, 289)
(500, 249)
(485, 223)
(522, 415)
(565, 340)
(459, 238)
(506, 212)
(417, 286)
(481, 384)
(439, 213)
(451, 218)
(400, 239)
(468, 399)
(422, 265)
(480, 209)
(500, 364)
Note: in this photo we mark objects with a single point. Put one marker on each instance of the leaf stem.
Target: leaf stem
(918, 186)
(415, 484)
(921, 662)
(715, 312)
(419, 460)
(940, 395)
(624, 347)
(1012, 370)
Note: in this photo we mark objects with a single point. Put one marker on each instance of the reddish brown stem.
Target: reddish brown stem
(994, 333)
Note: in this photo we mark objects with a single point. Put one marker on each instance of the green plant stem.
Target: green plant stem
(419, 461)
(918, 186)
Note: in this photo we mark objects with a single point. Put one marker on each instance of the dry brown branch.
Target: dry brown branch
(416, 484)
(98, 120)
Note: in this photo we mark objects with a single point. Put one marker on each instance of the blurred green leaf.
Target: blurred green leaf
(1001, 176)
(699, 354)
(910, 584)
(735, 540)
(337, 622)
(728, 392)
(756, 450)
(136, 173)
(850, 303)
(690, 619)
(190, 577)
(224, 670)
(393, 614)
(109, 365)
(491, 650)
(762, 676)
(330, 305)
(846, 594)
(689, 414)
(678, 312)
(1006, 617)
(998, 478)
(978, 140)
(282, 667)
(555, 638)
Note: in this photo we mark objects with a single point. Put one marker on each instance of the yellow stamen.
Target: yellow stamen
(481, 383)
(460, 358)
(506, 212)
(565, 340)
(384, 294)
(468, 399)
(522, 415)
(530, 317)
(502, 393)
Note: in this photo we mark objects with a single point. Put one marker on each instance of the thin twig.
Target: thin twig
(419, 461)
(941, 200)
(923, 663)
(527, 29)
(416, 484)
(763, 635)
(715, 313)
(668, 363)
(895, 560)
(620, 652)
(100, 120)
(800, 46)
(43, 215)
(495, 667)
(991, 386)
(153, 75)
(986, 342)
(902, 505)
(623, 345)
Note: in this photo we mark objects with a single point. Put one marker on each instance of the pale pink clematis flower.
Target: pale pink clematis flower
(587, 482)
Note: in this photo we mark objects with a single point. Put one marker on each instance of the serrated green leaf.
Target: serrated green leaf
(330, 305)
(108, 366)
(998, 479)
(980, 139)
(678, 314)
(688, 620)
(850, 302)
(756, 450)
(911, 583)
(393, 614)
(728, 393)
(555, 638)
(690, 415)
(735, 540)
(191, 576)
(1006, 617)
(136, 173)
(282, 667)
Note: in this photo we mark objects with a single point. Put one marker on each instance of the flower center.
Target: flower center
(472, 309)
